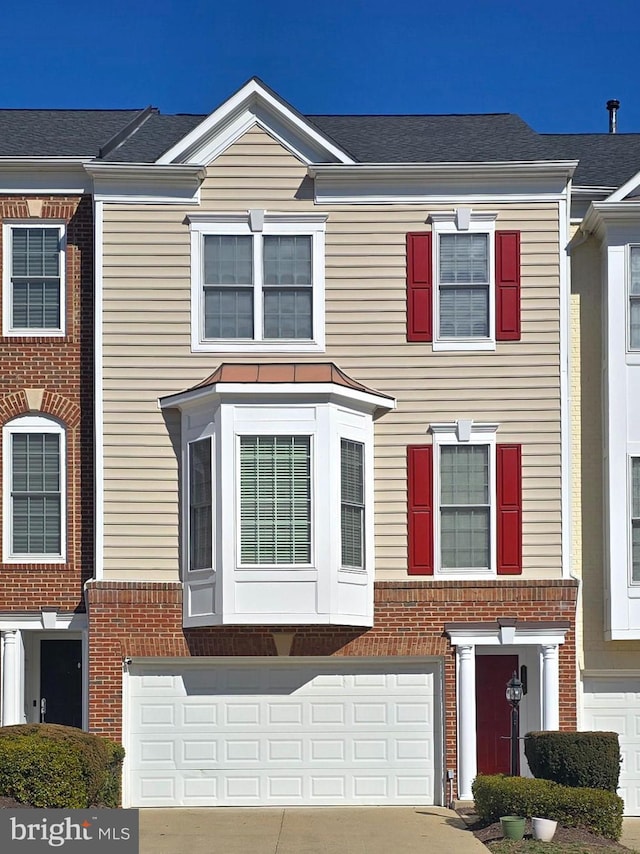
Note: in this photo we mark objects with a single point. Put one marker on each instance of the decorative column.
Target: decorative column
(550, 687)
(467, 755)
(10, 677)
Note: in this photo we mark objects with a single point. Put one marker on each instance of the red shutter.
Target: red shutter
(420, 515)
(509, 495)
(419, 283)
(507, 285)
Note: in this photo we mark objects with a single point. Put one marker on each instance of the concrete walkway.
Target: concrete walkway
(362, 830)
(631, 833)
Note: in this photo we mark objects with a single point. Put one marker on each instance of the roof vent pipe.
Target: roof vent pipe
(613, 106)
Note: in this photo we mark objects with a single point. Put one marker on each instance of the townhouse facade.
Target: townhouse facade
(329, 401)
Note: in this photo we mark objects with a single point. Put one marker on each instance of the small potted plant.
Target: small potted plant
(543, 829)
(512, 826)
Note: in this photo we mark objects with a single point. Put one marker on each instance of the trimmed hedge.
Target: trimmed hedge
(49, 765)
(590, 759)
(591, 809)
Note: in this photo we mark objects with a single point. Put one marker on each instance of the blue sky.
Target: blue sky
(554, 63)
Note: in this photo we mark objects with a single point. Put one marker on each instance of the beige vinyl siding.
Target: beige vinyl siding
(147, 355)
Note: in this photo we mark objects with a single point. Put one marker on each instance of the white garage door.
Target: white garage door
(264, 732)
(613, 705)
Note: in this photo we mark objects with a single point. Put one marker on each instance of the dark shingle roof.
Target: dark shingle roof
(606, 159)
(156, 135)
(434, 139)
(59, 133)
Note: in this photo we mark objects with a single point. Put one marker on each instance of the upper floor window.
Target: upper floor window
(464, 292)
(34, 490)
(33, 284)
(257, 282)
(634, 298)
(352, 503)
(463, 282)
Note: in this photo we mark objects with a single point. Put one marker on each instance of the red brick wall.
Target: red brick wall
(64, 368)
(128, 619)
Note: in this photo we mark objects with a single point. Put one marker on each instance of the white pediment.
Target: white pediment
(629, 190)
(254, 104)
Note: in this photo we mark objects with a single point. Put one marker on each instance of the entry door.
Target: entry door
(493, 712)
(61, 682)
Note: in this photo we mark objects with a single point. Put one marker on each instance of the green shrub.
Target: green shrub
(591, 809)
(590, 759)
(48, 765)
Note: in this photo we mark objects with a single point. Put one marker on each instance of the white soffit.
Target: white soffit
(253, 105)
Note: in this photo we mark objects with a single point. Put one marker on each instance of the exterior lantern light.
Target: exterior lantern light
(514, 695)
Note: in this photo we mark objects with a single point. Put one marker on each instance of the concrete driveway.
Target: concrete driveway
(359, 830)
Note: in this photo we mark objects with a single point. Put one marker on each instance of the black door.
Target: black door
(61, 682)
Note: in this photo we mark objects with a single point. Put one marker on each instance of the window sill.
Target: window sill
(466, 575)
(270, 574)
(465, 346)
(33, 333)
(285, 346)
(34, 560)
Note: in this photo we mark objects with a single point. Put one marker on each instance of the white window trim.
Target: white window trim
(465, 432)
(258, 222)
(8, 330)
(634, 351)
(464, 221)
(32, 424)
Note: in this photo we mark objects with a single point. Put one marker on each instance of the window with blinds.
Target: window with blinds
(463, 288)
(352, 503)
(200, 505)
(36, 512)
(275, 500)
(635, 519)
(634, 298)
(245, 271)
(35, 278)
(464, 506)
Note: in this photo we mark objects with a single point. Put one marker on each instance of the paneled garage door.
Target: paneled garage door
(613, 705)
(265, 732)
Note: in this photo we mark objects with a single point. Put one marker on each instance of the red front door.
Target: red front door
(493, 712)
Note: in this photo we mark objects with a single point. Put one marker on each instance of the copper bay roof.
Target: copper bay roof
(284, 372)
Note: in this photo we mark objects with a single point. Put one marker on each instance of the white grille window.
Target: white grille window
(34, 292)
(635, 519)
(258, 282)
(200, 505)
(275, 500)
(464, 285)
(352, 503)
(34, 510)
(464, 506)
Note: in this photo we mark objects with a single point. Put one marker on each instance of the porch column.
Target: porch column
(550, 687)
(10, 677)
(467, 756)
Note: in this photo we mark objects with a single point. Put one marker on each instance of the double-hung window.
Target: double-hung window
(34, 490)
(257, 282)
(464, 278)
(33, 284)
(464, 507)
(200, 505)
(465, 498)
(352, 503)
(634, 297)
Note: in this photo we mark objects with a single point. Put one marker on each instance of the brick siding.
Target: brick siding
(63, 368)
